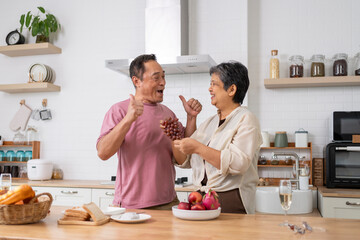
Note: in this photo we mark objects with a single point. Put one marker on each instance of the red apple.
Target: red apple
(198, 206)
(194, 197)
(184, 206)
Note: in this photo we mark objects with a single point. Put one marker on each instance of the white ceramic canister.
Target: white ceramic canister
(266, 139)
(301, 138)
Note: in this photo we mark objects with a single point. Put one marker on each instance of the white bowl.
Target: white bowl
(195, 214)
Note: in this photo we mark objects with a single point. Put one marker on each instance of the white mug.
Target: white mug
(266, 139)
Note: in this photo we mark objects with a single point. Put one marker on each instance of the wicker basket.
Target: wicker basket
(25, 213)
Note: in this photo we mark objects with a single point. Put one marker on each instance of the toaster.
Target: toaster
(39, 169)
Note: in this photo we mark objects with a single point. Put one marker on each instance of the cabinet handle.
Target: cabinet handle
(69, 192)
(352, 203)
(109, 194)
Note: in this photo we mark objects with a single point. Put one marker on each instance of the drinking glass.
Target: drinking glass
(285, 193)
(5, 181)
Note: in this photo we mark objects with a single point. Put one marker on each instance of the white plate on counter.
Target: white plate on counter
(124, 219)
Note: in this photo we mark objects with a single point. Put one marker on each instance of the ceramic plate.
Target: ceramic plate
(113, 210)
(122, 218)
(195, 214)
(38, 72)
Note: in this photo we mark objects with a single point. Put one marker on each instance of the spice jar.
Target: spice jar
(274, 65)
(357, 64)
(262, 160)
(57, 174)
(288, 161)
(274, 160)
(296, 66)
(340, 64)
(317, 65)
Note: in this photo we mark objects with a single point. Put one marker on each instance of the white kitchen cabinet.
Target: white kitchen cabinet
(67, 196)
(103, 197)
(339, 207)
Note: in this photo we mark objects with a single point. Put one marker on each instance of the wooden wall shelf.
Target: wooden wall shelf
(29, 49)
(30, 87)
(291, 146)
(312, 82)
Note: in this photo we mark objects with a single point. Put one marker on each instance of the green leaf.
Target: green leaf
(35, 30)
(22, 22)
(41, 9)
(28, 19)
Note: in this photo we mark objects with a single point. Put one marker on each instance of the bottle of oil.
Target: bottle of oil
(274, 65)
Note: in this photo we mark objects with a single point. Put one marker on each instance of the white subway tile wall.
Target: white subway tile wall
(227, 30)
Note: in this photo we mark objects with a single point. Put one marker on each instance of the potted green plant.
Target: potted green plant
(40, 26)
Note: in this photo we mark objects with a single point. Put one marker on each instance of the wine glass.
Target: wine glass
(285, 193)
(5, 182)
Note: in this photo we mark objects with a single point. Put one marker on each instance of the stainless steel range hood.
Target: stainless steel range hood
(167, 36)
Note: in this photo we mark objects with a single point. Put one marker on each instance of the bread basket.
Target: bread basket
(26, 213)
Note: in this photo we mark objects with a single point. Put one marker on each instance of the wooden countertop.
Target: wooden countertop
(339, 192)
(163, 225)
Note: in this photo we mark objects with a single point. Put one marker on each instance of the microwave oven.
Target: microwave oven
(343, 125)
(342, 165)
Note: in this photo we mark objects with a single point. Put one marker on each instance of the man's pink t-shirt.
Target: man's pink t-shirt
(145, 174)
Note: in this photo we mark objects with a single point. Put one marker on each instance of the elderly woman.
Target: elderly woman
(223, 151)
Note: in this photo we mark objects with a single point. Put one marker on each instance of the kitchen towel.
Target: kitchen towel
(21, 118)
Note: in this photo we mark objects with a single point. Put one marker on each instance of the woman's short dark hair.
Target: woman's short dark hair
(137, 66)
(233, 73)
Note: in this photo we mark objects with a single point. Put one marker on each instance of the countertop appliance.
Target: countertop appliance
(39, 169)
(344, 126)
(343, 165)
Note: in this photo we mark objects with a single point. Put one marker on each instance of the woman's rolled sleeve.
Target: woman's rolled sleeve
(237, 157)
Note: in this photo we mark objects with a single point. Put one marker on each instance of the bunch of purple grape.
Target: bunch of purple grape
(171, 128)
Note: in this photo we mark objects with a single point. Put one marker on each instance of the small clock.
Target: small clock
(14, 38)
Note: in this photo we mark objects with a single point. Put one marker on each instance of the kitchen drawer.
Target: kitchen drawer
(333, 207)
(103, 197)
(67, 196)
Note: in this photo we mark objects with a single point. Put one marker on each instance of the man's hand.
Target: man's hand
(135, 108)
(192, 106)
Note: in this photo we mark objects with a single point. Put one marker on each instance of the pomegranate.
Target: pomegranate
(184, 206)
(211, 200)
(194, 197)
(198, 206)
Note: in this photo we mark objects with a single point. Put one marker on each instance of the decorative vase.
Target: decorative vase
(41, 39)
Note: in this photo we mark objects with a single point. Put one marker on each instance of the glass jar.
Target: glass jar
(10, 156)
(31, 134)
(288, 161)
(296, 66)
(357, 64)
(340, 64)
(274, 160)
(20, 156)
(19, 138)
(57, 174)
(2, 155)
(28, 155)
(274, 65)
(262, 160)
(317, 65)
(23, 172)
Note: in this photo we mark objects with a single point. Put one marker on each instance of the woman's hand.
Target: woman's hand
(187, 145)
(192, 107)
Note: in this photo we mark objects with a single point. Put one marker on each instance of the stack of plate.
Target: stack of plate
(41, 73)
